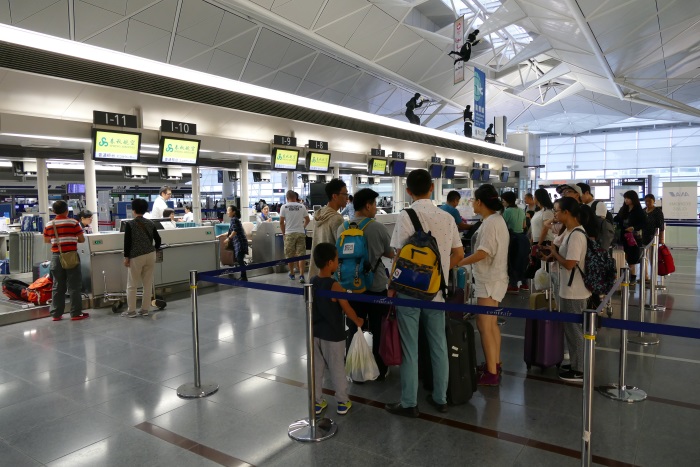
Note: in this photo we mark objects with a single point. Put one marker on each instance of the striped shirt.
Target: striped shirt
(68, 232)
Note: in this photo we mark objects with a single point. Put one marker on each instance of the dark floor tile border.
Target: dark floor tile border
(467, 426)
(211, 454)
(661, 400)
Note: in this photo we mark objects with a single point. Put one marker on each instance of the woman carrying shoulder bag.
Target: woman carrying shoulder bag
(573, 294)
(141, 240)
(631, 220)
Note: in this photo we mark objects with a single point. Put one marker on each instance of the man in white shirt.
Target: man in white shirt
(441, 225)
(293, 221)
(587, 198)
(160, 205)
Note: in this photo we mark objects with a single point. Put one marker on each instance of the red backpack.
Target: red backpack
(666, 264)
(39, 292)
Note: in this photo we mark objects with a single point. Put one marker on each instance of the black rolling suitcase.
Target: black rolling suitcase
(462, 360)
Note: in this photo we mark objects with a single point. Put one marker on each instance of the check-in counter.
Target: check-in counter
(389, 221)
(102, 259)
(268, 242)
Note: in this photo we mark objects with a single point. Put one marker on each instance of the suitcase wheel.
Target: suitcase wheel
(116, 306)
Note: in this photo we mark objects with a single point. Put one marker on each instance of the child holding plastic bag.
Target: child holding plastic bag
(329, 329)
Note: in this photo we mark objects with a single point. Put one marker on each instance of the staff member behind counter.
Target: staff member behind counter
(160, 205)
(85, 219)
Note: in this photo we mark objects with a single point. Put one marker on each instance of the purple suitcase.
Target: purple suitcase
(544, 339)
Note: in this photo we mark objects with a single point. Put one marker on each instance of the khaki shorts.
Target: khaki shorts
(294, 245)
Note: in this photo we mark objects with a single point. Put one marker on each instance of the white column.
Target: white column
(398, 193)
(437, 191)
(91, 187)
(245, 210)
(42, 185)
(196, 197)
(336, 171)
(227, 187)
(290, 180)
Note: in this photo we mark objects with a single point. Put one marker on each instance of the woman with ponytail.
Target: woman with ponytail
(573, 294)
(490, 260)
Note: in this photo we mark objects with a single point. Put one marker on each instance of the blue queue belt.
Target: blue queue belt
(506, 312)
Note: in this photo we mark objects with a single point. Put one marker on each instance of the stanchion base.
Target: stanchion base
(301, 430)
(659, 308)
(628, 394)
(501, 321)
(643, 339)
(660, 287)
(190, 391)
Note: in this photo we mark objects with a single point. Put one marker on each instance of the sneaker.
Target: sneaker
(482, 368)
(343, 407)
(129, 314)
(56, 318)
(488, 379)
(291, 276)
(320, 406)
(524, 287)
(302, 280)
(512, 290)
(571, 375)
(79, 317)
(566, 367)
(142, 312)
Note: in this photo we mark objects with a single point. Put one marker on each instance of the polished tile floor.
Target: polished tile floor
(101, 392)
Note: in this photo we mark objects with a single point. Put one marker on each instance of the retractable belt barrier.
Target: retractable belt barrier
(313, 429)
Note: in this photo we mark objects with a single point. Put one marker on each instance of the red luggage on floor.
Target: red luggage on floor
(666, 264)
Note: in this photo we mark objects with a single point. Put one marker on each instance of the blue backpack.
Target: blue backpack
(354, 270)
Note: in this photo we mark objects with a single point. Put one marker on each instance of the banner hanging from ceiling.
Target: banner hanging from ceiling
(459, 41)
(479, 104)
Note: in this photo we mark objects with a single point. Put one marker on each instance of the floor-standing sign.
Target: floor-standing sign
(459, 42)
(479, 104)
(680, 201)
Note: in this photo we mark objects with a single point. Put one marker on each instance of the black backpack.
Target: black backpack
(13, 289)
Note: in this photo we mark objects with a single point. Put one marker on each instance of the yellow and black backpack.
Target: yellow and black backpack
(418, 272)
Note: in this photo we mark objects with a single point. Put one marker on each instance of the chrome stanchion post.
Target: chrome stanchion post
(197, 389)
(620, 391)
(310, 429)
(589, 331)
(654, 306)
(662, 283)
(643, 338)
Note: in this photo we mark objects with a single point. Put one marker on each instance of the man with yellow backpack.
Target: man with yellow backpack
(428, 246)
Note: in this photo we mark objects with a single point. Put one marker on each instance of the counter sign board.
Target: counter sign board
(116, 145)
(285, 159)
(179, 151)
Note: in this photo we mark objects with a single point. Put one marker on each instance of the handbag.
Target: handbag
(629, 239)
(69, 259)
(390, 342)
(666, 264)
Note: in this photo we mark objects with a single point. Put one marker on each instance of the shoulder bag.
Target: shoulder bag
(69, 259)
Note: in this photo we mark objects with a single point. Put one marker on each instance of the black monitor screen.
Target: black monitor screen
(113, 145)
(435, 170)
(398, 168)
(285, 159)
(317, 161)
(504, 176)
(485, 174)
(75, 188)
(377, 167)
(178, 151)
(449, 171)
(475, 174)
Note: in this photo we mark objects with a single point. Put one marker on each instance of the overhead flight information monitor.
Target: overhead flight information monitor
(318, 161)
(179, 151)
(284, 159)
(398, 168)
(115, 145)
(435, 170)
(377, 166)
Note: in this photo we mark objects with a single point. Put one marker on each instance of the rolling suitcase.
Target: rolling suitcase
(618, 255)
(461, 355)
(544, 339)
(41, 269)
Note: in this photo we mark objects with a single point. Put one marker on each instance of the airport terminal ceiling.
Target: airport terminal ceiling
(552, 66)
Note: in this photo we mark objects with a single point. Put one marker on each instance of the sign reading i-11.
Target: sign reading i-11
(113, 119)
(184, 128)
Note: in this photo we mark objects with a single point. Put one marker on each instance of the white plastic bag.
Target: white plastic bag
(359, 362)
(541, 281)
